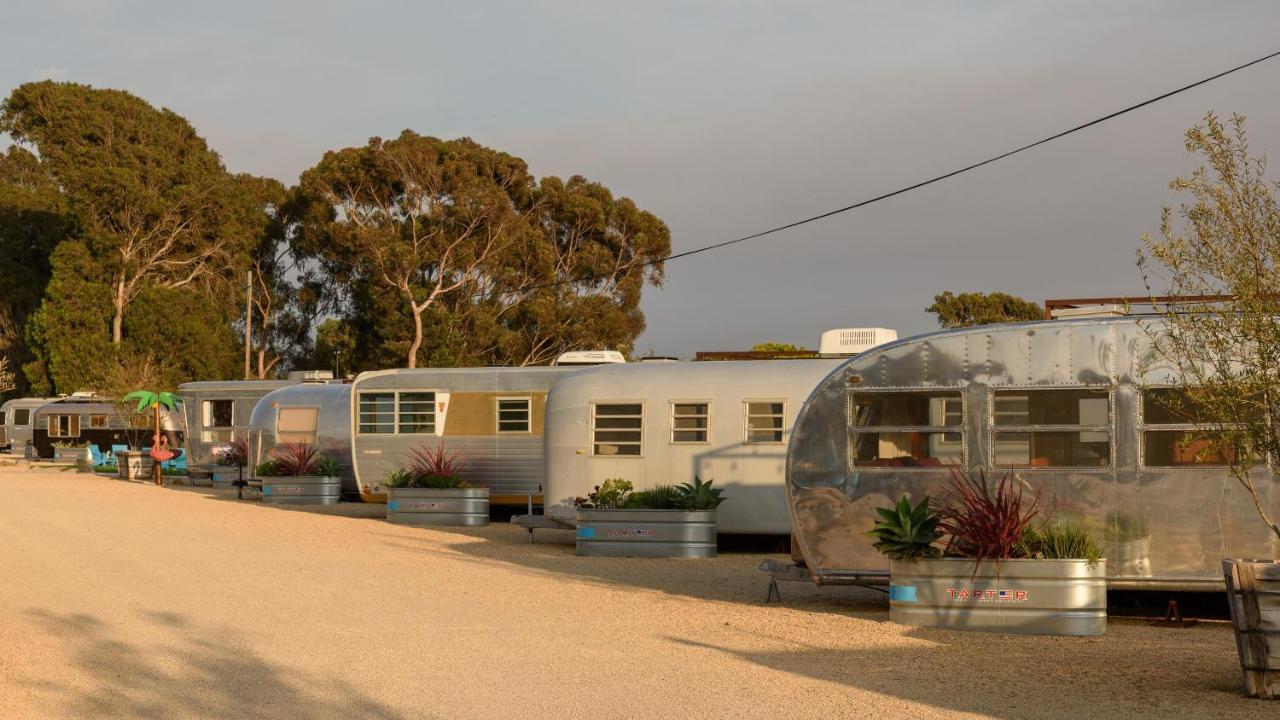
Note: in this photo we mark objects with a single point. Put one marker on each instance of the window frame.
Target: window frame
(993, 430)
(436, 429)
(782, 428)
(27, 412)
(95, 419)
(1144, 428)
(528, 414)
(671, 417)
(207, 411)
(592, 429)
(943, 430)
(315, 434)
(73, 419)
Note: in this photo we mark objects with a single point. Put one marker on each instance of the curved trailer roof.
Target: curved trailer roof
(1196, 515)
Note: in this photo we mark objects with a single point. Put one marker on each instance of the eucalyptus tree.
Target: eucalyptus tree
(149, 196)
(956, 310)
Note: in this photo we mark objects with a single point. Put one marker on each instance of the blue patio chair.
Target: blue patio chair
(99, 457)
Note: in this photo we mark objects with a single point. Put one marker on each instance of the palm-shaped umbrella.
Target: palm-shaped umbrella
(154, 400)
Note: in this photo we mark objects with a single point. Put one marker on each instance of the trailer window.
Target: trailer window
(1052, 428)
(513, 415)
(22, 417)
(297, 424)
(617, 429)
(1178, 432)
(377, 413)
(217, 418)
(917, 429)
(98, 422)
(64, 426)
(3, 415)
(765, 421)
(689, 422)
(416, 413)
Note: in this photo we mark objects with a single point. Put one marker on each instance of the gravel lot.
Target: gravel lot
(129, 600)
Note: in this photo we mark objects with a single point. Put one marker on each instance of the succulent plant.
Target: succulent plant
(698, 495)
(905, 532)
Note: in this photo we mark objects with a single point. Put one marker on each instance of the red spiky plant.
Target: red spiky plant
(984, 520)
(435, 463)
(295, 459)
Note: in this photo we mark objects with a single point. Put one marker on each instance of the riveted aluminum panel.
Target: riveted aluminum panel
(1192, 516)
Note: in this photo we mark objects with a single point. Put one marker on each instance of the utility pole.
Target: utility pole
(248, 322)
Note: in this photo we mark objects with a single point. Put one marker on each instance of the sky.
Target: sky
(726, 117)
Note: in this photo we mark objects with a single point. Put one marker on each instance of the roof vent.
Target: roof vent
(851, 341)
(590, 357)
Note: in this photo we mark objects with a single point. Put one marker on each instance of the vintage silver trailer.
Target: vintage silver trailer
(665, 422)
(1072, 407)
(82, 420)
(315, 413)
(492, 417)
(219, 411)
(15, 422)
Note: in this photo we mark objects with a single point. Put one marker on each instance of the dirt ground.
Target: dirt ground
(130, 600)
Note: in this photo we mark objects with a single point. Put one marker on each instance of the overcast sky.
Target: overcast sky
(725, 117)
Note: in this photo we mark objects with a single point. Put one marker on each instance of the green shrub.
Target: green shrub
(266, 468)
(658, 497)
(611, 494)
(326, 467)
(1060, 541)
(697, 496)
(398, 478)
(904, 532)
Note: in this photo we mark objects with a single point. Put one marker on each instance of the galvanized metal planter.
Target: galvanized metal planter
(224, 476)
(1042, 597)
(134, 465)
(72, 455)
(1253, 592)
(301, 490)
(646, 533)
(456, 507)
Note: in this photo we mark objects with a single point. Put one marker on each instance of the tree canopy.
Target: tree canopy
(137, 242)
(975, 308)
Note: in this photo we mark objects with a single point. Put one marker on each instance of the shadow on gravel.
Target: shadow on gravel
(731, 577)
(206, 673)
(1027, 676)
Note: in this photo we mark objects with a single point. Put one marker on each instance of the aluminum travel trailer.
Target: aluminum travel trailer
(1071, 407)
(79, 420)
(316, 413)
(15, 422)
(493, 417)
(664, 423)
(219, 411)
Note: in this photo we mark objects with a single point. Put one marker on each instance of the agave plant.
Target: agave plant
(698, 495)
(658, 497)
(984, 522)
(905, 532)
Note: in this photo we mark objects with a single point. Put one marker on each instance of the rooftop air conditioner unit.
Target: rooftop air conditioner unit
(851, 341)
(590, 357)
(312, 376)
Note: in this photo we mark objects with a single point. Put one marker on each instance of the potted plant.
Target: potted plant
(662, 521)
(70, 452)
(996, 570)
(431, 491)
(231, 461)
(296, 474)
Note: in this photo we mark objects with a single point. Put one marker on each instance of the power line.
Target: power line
(930, 181)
